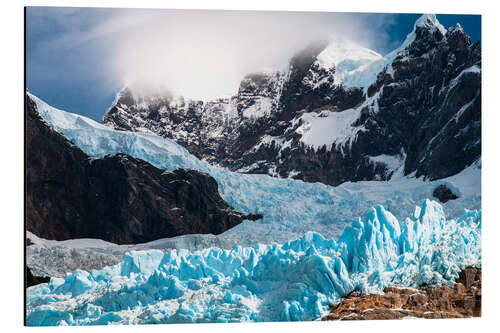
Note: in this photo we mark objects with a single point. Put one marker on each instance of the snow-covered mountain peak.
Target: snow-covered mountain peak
(345, 56)
(365, 75)
(426, 21)
(457, 26)
(429, 21)
(348, 53)
(456, 29)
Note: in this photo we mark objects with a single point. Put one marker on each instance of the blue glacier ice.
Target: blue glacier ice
(297, 280)
(290, 207)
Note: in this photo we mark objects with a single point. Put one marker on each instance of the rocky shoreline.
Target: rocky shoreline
(462, 300)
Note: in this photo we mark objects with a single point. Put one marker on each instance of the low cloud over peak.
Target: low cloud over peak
(199, 54)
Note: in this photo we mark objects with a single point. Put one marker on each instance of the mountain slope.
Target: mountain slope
(430, 102)
(289, 207)
(338, 113)
(116, 198)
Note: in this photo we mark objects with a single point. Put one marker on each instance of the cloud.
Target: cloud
(200, 54)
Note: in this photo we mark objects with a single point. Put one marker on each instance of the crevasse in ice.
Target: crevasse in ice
(297, 280)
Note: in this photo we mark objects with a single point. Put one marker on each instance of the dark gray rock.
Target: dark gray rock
(444, 194)
(117, 198)
(33, 280)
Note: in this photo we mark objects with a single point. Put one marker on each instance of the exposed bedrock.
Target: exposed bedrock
(117, 198)
(461, 300)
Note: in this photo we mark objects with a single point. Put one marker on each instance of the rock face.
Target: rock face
(431, 104)
(325, 119)
(444, 194)
(117, 198)
(32, 280)
(459, 301)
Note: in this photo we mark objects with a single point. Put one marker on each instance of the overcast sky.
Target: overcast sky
(78, 58)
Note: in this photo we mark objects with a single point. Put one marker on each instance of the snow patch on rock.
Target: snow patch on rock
(328, 128)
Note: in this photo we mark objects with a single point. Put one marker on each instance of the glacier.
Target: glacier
(303, 256)
(297, 280)
(290, 207)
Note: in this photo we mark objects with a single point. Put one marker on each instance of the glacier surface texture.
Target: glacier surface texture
(297, 280)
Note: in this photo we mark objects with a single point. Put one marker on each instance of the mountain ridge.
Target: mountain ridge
(306, 123)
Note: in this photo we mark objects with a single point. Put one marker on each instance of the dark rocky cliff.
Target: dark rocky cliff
(117, 198)
(431, 106)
